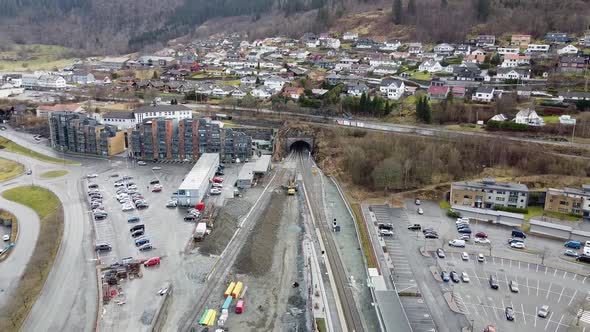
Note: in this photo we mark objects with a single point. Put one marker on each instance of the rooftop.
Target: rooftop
(262, 164)
(200, 171)
(161, 108)
(119, 115)
(491, 184)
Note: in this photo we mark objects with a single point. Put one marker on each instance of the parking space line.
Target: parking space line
(549, 321)
(537, 268)
(584, 280)
(523, 314)
(573, 297)
(511, 264)
(545, 270)
(536, 311)
(502, 261)
(575, 275)
(564, 274)
(528, 266)
(537, 287)
(559, 324)
(528, 290)
(519, 265)
(549, 290)
(554, 273)
(493, 260)
(559, 299)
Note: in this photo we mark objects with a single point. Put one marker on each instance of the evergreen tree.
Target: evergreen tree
(496, 60)
(412, 7)
(397, 11)
(363, 103)
(483, 9)
(155, 76)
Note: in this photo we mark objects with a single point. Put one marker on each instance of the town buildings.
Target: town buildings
(569, 201)
(488, 194)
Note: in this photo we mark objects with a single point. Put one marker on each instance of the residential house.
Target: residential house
(524, 91)
(529, 117)
(585, 41)
(484, 94)
(474, 58)
(177, 112)
(444, 49)
(221, 91)
(513, 74)
(82, 77)
(556, 38)
(239, 93)
(538, 48)
(499, 118)
(415, 48)
(334, 79)
(275, 83)
(293, 92)
(520, 40)
(46, 110)
(515, 60)
(385, 70)
(392, 88)
(567, 120)
(102, 79)
(365, 43)
(356, 88)
(462, 49)
(478, 52)
(569, 201)
(350, 36)
(458, 91)
(570, 64)
(430, 66)
(381, 60)
(121, 119)
(488, 193)
(466, 73)
(568, 49)
(438, 91)
(390, 46)
(262, 92)
(485, 40)
(156, 61)
(113, 63)
(248, 80)
(508, 50)
(573, 95)
(333, 43)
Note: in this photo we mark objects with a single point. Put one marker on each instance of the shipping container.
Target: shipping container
(204, 317)
(237, 290)
(227, 303)
(211, 320)
(229, 289)
(240, 307)
(200, 206)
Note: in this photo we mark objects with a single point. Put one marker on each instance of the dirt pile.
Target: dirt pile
(224, 227)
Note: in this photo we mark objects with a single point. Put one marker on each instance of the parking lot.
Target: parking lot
(564, 292)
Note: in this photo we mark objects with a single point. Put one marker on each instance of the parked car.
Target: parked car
(415, 227)
(493, 282)
(152, 261)
(215, 191)
(155, 181)
(510, 241)
(216, 185)
(417, 201)
(513, 285)
(465, 231)
(145, 247)
(465, 237)
(103, 247)
(465, 277)
(543, 311)
(420, 211)
(482, 240)
(388, 226)
(127, 207)
(445, 276)
(141, 205)
(91, 176)
(509, 313)
(115, 175)
(583, 259)
(517, 245)
(29, 172)
(217, 180)
(385, 232)
(455, 277)
(141, 241)
(137, 233)
(100, 216)
(431, 235)
(6, 237)
(156, 168)
(518, 233)
(93, 186)
(133, 219)
(141, 163)
(457, 243)
(157, 189)
(136, 228)
(481, 235)
(172, 203)
(571, 253)
(481, 258)
(220, 173)
(573, 244)
(440, 253)
(465, 256)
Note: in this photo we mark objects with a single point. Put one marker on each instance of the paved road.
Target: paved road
(68, 300)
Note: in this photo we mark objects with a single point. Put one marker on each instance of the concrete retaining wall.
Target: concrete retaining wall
(492, 216)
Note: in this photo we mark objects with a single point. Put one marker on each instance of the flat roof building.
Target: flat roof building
(488, 194)
(262, 165)
(246, 176)
(196, 183)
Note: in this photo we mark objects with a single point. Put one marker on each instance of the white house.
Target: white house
(350, 36)
(120, 119)
(529, 117)
(333, 43)
(499, 118)
(238, 93)
(392, 88)
(515, 60)
(248, 80)
(508, 50)
(484, 94)
(178, 112)
(430, 66)
(275, 82)
(385, 70)
(513, 74)
(222, 91)
(569, 49)
(415, 48)
(390, 46)
(567, 119)
(262, 92)
(444, 48)
(537, 48)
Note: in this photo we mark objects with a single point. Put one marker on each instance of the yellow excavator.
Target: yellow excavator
(291, 186)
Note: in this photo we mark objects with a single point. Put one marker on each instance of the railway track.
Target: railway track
(349, 308)
(225, 262)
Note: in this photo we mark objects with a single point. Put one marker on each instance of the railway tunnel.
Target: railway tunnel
(299, 143)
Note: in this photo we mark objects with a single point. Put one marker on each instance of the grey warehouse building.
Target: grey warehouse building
(196, 183)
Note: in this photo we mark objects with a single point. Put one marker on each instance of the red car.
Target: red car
(152, 261)
(481, 234)
(217, 180)
(157, 189)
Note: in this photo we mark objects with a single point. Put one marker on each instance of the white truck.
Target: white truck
(200, 231)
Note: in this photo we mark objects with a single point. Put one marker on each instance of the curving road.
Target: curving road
(68, 300)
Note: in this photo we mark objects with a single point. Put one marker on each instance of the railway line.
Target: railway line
(351, 313)
(227, 258)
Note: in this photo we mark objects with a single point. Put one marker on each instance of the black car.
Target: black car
(415, 227)
(431, 236)
(133, 219)
(493, 282)
(509, 313)
(455, 277)
(583, 259)
(428, 230)
(137, 227)
(100, 216)
(137, 233)
(154, 181)
(141, 206)
(388, 226)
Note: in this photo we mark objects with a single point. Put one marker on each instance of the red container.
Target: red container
(200, 206)
(240, 307)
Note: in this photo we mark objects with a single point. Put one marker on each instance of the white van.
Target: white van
(586, 251)
(457, 243)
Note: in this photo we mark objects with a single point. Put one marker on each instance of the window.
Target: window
(500, 199)
(563, 203)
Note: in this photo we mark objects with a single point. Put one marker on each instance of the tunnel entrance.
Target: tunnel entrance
(299, 146)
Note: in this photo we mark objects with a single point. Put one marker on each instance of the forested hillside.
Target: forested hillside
(107, 26)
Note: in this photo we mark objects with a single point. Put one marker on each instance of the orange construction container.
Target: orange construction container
(229, 289)
(237, 290)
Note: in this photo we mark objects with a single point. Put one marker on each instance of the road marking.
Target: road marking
(502, 261)
(564, 274)
(523, 313)
(584, 280)
(537, 287)
(503, 306)
(536, 311)
(493, 260)
(537, 268)
(558, 324)
(573, 297)
(528, 290)
(511, 264)
(549, 290)
(519, 265)
(549, 321)
(575, 275)
(559, 299)
(554, 273)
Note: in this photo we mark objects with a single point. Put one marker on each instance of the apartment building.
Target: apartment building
(187, 139)
(488, 193)
(76, 132)
(569, 201)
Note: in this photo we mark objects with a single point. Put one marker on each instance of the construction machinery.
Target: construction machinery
(291, 186)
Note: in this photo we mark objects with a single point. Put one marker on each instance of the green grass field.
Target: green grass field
(418, 75)
(551, 119)
(54, 174)
(43, 201)
(9, 169)
(230, 82)
(15, 148)
(538, 211)
(38, 57)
